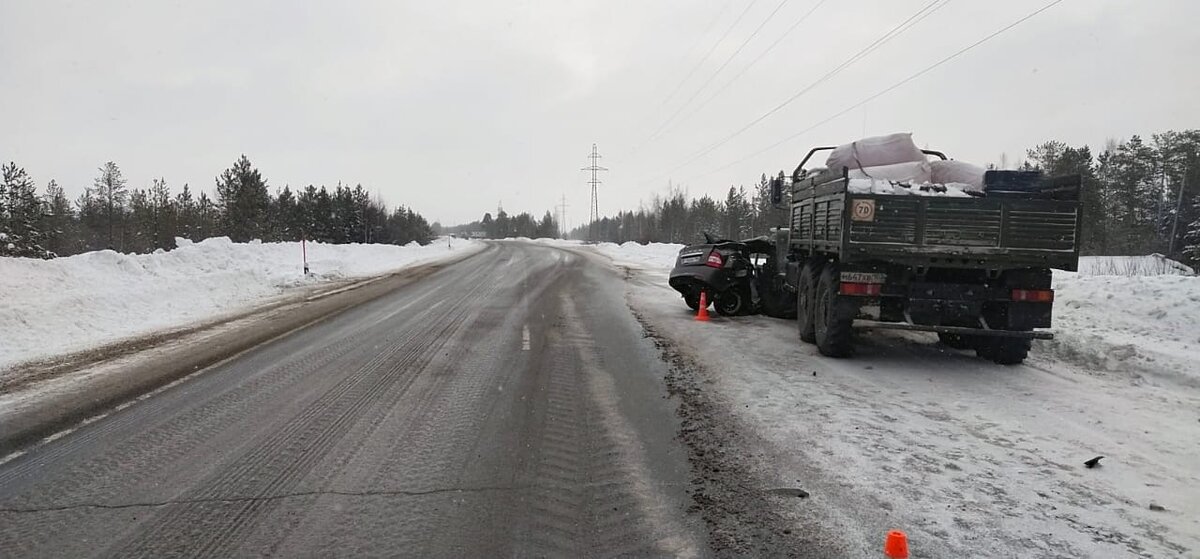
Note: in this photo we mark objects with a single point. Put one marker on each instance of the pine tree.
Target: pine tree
(1179, 155)
(91, 221)
(489, 225)
(21, 215)
(243, 200)
(208, 217)
(286, 216)
(502, 225)
(733, 214)
(547, 228)
(186, 214)
(1191, 248)
(163, 215)
(58, 221)
(110, 189)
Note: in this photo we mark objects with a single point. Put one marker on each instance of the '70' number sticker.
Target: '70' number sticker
(862, 210)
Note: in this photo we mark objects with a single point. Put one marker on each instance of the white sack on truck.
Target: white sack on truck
(915, 172)
(959, 172)
(875, 151)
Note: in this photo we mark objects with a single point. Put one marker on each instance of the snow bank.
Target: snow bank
(1148, 265)
(1126, 324)
(635, 255)
(69, 304)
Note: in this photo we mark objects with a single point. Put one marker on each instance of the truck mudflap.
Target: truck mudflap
(962, 330)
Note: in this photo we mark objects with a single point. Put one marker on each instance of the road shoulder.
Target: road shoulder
(44, 398)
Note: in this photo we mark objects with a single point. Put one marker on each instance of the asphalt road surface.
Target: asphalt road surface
(507, 405)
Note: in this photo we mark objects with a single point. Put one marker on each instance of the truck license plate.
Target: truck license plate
(863, 277)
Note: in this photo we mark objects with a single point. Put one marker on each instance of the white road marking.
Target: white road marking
(525, 338)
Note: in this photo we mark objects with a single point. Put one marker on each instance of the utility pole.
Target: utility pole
(1178, 208)
(562, 217)
(594, 168)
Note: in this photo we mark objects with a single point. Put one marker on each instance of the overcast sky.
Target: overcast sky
(451, 106)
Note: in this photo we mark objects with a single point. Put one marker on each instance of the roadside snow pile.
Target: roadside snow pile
(52, 307)
(635, 255)
(1149, 265)
(1129, 324)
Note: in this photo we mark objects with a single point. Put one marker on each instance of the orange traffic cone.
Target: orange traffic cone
(896, 545)
(702, 314)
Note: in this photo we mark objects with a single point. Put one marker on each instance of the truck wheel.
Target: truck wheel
(805, 293)
(834, 325)
(693, 301)
(731, 302)
(1003, 351)
(955, 341)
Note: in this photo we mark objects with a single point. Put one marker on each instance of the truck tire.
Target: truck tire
(955, 341)
(1003, 351)
(834, 325)
(806, 289)
(693, 301)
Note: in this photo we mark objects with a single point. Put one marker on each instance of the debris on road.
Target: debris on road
(789, 492)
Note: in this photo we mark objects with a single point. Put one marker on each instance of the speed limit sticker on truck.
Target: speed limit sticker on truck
(862, 210)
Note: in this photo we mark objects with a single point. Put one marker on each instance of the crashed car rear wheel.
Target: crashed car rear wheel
(731, 302)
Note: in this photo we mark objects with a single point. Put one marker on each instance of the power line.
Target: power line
(714, 75)
(710, 50)
(888, 89)
(691, 49)
(883, 39)
(760, 56)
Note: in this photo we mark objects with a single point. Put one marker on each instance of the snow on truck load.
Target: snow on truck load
(890, 236)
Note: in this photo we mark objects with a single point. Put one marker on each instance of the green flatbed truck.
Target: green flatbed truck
(975, 270)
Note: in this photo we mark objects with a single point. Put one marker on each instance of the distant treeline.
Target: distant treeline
(504, 226)
(108, 215)
(1138, 197)
(678, 218)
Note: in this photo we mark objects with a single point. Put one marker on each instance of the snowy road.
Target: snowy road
(972, 459)
(533, 400)
(507, 405)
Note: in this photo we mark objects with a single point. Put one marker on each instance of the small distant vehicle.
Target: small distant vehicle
(722, 269)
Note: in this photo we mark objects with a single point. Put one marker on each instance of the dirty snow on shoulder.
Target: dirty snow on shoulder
(75, 303)
(969, 457)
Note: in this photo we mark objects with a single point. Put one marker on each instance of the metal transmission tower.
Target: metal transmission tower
(562, 217)
(594, 168)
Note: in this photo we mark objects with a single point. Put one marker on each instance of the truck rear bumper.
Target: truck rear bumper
(1035, 335)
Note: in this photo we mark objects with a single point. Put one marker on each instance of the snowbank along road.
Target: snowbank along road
(506, 405)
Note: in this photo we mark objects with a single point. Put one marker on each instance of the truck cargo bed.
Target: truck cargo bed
(1000, 231)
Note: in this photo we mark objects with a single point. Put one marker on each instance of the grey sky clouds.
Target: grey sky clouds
(450, 107)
